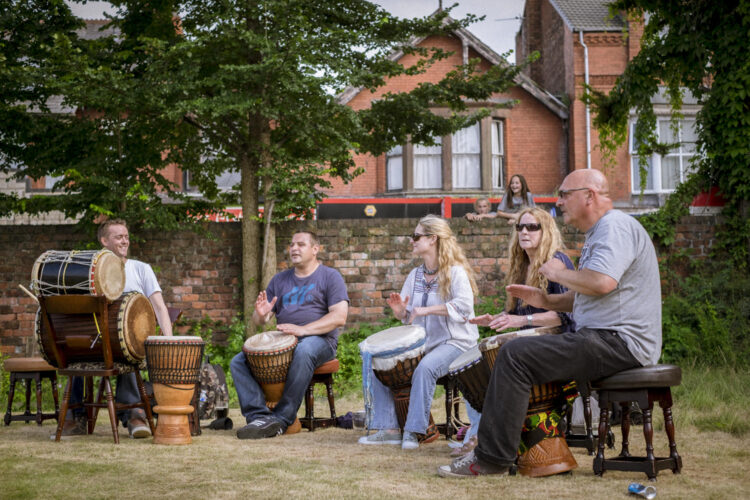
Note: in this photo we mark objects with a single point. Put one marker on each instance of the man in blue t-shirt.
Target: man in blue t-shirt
(309, 302)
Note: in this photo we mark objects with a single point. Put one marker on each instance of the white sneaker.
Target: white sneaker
(383, 436)
(410, 441)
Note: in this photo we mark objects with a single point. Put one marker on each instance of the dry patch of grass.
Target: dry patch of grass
(329, 463)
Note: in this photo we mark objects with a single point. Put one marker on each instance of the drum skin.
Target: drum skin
(269, 366)
(131, 320)
(84, 272)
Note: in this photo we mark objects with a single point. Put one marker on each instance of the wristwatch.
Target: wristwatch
(529, 319)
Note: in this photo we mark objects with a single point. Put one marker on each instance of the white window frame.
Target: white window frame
(394, 169)
(684, 153)
(498, 153)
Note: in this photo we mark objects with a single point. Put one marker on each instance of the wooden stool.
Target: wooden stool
(644, 386)
(452, 407)
(586, 440)
(322, 375)
(30, 369)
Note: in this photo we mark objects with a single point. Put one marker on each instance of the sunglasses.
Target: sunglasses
(529, 227)
(416, 236)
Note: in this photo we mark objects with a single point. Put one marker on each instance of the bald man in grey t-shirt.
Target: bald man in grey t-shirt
(615, 296)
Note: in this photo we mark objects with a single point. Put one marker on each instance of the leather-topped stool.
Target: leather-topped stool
(322, 375)
(644, 386)
(36, 369)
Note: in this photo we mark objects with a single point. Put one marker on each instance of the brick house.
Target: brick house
(580, 42)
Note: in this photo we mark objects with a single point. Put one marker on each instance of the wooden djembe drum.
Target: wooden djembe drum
(174, 368)
(551, 454)
(395, 354)
(268, 356)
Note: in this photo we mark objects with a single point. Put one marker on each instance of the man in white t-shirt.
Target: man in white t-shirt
(139, 277)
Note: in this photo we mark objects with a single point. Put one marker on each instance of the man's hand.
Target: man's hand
(297, 331)
(398, 305)
(529, 294)
(550, 269)
(262, 306)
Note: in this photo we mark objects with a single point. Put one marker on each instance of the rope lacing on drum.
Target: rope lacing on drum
(367, 373)
(98, 332)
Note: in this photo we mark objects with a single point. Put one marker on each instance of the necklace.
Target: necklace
(428, 271)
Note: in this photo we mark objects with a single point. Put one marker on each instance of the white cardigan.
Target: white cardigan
(454, 329)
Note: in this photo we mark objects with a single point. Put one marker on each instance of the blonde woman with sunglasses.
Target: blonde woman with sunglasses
(534, 241)
(438, 295)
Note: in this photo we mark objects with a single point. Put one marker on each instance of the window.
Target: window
(471, 159)
(498, 154)
(394, 165)
(226, 181)
(428, 165)
(467, 149)
(664, 173)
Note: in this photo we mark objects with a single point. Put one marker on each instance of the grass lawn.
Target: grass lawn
(330, 464)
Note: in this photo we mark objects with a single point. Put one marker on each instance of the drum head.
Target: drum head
(109, 274)
(269, 342)
(137, 322)
(396, 338)
(465, 359)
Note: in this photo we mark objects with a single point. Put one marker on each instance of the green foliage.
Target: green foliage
(492, 304)
(714, 398)
(706, 316)
(223, 342)
(699, 47)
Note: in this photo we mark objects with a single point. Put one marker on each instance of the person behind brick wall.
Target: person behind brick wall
(516, 198)
(615, 296)
(310, 302)
(139, 277)
(482, 210)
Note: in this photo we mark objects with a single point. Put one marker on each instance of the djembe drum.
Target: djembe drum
(543, 450)
(395, 354)
(84, 272)
(174, 368)
(131, 320)
(472, 376)
(268, 356)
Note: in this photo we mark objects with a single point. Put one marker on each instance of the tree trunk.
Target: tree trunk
(250, 239)
(268, 266)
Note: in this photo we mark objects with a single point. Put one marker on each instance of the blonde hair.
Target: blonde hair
(449, 253)
(550, 243)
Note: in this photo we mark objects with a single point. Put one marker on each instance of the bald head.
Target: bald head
(584, 198)
(590, 178)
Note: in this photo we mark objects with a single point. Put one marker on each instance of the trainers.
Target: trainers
(383, 436)
(75, 426)
(468, 466)
(263, 427)
(410, 441)
(138, 428)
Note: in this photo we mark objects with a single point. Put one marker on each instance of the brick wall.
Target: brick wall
(201, 274)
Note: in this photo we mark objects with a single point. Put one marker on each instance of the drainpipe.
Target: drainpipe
(588, 112)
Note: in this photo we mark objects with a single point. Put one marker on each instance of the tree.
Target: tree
(700, 47)
(108, 157)
(256, 82)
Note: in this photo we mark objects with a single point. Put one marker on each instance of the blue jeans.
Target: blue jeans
(310, 353)
(584, 355)
(433, 366)
(126, 392)
(474, 418)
